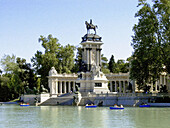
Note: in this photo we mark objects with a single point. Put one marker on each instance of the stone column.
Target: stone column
(97, 57)
(100, 57)
(124, 87)
(74, 89)
(60, 85)
(69, 90)
(111, 87)
(115, 87)
(151, 89)
(87, 58)
(164, 79)
(53, 86)
(161, 80)
(56, 87)
(120, 87)
(64, 86)
(156, 84)
(90, 58)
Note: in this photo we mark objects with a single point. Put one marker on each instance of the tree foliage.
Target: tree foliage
(18, 74)
(78, 66)
(120, 66)
(150, 42)
(55, 55)
(104, 66)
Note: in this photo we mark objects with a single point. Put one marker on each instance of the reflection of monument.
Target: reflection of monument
(92, 79)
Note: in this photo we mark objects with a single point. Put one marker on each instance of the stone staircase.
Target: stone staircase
(66, 99)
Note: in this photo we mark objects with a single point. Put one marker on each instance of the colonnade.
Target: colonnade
(159, 83)
(119, 86)
(62, 87)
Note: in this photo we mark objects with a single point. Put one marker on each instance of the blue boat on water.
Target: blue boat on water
(90, 106)
(117, 108)
(22, 104)
(145, 105)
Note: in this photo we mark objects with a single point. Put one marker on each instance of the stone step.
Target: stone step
(58, 101)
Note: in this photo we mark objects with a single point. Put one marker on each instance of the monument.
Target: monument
(91, 78)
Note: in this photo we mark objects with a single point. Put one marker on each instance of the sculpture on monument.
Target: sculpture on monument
(90, 26)
(43, 90)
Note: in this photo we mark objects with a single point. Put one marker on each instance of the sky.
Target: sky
(23, 21)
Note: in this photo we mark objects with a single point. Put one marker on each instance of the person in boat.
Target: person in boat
(121, 106)
(115, 105)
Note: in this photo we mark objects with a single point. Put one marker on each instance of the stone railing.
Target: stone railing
(127, 94)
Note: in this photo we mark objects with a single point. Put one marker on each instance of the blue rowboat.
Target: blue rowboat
(24, 105)
(91, 106)
(144, 105)
(116, 108)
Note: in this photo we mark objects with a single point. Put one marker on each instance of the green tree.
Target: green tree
(26, 74)
(55, 55)
(112, 65)
(78, 61)
(122, 66)
(148, 43)
(104, 66)
(10, 81)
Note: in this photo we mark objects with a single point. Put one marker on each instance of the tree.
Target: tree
(162, 11)
(67, 58)
(78, 66)
(26, 74)
(18, 74)
(10, 81)
(148, 43)
(104, 66)
(122, 66)
(112, 65)
(55, 55)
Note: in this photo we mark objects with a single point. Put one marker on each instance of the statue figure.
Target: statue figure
(36, 91)
(90, 26)
(28, 90)
(43, 90)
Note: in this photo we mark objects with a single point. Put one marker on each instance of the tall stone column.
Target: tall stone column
(156, 84)
(111, 87)
(56, 87)
(53, 86)
(60, 84)
(69, 90)
(64, 86)
(97, 57)
(151, 87)
(90, 58)
(164, 79)
(87, 59)
(100, 57)
(115, 87)
(74, 89)
(124, 87)
(161, 80)
(120, 87)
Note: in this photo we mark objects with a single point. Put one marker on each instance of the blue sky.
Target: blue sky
(23, 21)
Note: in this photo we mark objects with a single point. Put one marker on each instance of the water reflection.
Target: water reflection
(80, 117)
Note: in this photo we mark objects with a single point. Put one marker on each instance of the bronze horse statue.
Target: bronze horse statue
(90, 26)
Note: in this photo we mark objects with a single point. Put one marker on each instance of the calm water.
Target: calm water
(14, 116)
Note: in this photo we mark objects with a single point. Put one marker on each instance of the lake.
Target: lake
(14, 116)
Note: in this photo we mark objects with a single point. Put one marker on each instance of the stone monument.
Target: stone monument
(92, 79)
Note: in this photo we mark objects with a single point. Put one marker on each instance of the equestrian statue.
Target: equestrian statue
(90, 26)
